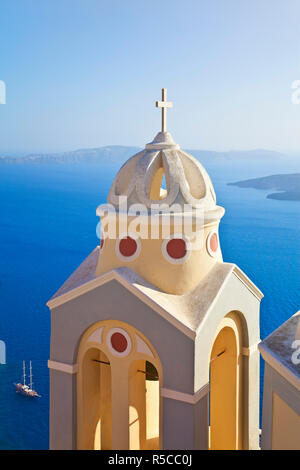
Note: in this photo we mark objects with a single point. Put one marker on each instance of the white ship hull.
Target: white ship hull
(25, 389)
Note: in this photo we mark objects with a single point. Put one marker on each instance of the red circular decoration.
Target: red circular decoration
(127, 246)
(101, 243)
(118, 342)
(213, 242)
(176, 248)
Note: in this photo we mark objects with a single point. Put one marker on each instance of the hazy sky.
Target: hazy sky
(86, 73)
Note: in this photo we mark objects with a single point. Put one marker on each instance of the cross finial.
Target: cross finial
(163, 104)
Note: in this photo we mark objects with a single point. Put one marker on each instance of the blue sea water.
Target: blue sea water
(48, 226)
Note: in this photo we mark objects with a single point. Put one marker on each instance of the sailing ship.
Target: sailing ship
(24, 389)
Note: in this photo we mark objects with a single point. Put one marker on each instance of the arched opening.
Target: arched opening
(159, 187)
(96, 401)
(225, 390)
(118, 389)
(144, 406)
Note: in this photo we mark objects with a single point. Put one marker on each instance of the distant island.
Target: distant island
(119, 154)
(286, 185)
(107, 154)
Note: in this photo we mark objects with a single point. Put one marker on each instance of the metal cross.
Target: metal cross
(164, 104)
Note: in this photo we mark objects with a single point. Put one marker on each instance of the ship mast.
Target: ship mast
(30, 371)
(24, 374)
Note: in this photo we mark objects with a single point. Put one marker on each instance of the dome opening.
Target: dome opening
(157, 180)
(158, 188)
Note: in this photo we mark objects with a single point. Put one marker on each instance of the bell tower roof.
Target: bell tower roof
(186, 180)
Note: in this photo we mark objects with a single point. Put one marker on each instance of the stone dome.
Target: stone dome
(187, 182)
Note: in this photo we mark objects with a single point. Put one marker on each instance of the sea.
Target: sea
(48, 226)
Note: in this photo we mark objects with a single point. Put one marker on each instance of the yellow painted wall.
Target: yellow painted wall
(152, 414)
(96, 383)
(144, 402)
(226, 387)
(137, 404)
(152, 266)
(285, 426)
